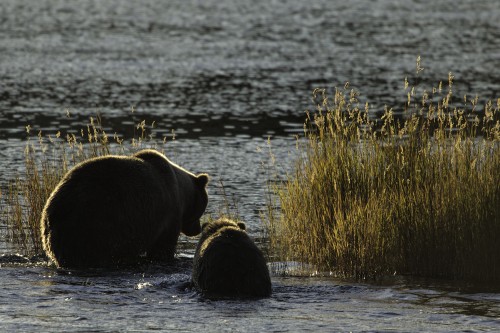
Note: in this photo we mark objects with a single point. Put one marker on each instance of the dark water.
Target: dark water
(225, 76)
(159, 298)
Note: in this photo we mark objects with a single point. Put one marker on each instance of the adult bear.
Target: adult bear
(227, 262)
(112, 210)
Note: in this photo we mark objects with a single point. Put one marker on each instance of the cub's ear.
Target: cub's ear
(242, 226)
(201, 180)
(204, 226)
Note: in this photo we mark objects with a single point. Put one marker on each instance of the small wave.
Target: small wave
(294, 268)
(168, 281)
(143, 285)
(13, 259)
(17, 259)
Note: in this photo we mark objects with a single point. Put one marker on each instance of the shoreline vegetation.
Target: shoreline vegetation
(47, 158)
(415, 192)
(411, 192)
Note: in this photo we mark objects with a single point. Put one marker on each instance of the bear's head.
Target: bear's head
(191, 223)
(222, 228)
(190, 189)
(210, 228)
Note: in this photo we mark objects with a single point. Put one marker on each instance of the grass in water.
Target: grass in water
(418, 194)
(47, 159)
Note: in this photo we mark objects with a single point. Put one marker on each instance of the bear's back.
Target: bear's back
(228, 263)
(95, 213)
(101, 186)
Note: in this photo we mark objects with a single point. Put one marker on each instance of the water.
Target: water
(159, 298)
(226, 77)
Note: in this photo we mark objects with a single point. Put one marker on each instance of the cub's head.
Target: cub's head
(210, 228)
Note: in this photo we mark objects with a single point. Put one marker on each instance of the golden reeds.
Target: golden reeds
(371, 196)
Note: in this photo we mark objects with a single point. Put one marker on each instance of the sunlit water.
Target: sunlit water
(226, 77)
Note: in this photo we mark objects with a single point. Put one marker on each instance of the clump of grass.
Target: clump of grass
(416, 193)
(47, 159)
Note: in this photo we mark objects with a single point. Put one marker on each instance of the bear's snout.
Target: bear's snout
(192, 228)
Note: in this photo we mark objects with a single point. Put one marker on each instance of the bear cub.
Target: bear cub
(227, 262)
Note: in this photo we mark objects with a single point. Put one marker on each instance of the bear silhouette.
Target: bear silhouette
(227, 263)
(113, 210)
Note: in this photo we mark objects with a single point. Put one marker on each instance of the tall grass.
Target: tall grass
(411, 193)
(47, 158)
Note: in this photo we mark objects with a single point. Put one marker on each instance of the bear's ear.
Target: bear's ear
(201, 180)
(242, 226)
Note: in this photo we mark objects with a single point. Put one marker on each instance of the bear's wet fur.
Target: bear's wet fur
(227, 263)
(114, 210)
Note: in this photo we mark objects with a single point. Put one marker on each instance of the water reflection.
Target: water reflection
(125, 124)
(243, 60)
(163, 291)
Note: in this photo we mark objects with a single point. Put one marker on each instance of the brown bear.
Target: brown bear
(227, 263)
(113, 210)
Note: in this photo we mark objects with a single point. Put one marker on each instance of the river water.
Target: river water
(227, 76)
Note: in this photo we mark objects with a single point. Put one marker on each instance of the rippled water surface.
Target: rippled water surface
(159, 298)
(225, 76)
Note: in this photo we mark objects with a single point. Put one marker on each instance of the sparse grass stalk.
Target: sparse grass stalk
(374, 196)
